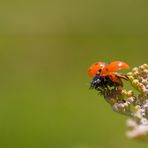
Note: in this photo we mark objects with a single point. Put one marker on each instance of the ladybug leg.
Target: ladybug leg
(99, 89)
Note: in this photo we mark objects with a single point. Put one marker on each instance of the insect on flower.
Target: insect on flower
(105, 75)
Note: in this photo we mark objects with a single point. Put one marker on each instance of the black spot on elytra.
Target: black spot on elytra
(106, 69)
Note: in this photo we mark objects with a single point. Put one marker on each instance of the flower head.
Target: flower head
(128, 103)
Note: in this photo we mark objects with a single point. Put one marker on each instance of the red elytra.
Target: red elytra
(94, 68)
(109, 70)
(113, 66)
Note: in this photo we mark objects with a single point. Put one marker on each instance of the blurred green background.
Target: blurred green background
(46, 48)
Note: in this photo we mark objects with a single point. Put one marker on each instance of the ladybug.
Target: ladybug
(105, 75)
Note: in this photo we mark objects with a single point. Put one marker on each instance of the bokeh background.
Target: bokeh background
(46, 48)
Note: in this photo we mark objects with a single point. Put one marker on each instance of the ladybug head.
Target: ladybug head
(95, 81)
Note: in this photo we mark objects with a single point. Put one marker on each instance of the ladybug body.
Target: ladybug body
(105, 75)
(100, 83)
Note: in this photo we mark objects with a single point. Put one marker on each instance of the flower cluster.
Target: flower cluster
(132, 103)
